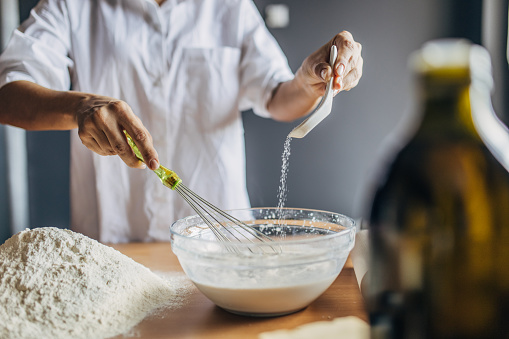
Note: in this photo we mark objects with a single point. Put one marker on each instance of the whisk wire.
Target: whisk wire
(193, 200)
(197, 203)
(201, 213)
(224, 226)
(197, 200)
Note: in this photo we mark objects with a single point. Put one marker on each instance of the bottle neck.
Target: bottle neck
(446, 109)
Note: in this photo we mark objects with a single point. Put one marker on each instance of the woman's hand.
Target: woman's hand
(296, 98)
(315, 71)
(101, 121)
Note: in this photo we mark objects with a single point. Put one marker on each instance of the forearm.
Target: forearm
(292, 100)
(33, 107)
(100, 120)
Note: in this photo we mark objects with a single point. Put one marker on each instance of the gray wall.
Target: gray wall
(330, 166)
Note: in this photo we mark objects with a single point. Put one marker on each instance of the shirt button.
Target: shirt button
(158, 82)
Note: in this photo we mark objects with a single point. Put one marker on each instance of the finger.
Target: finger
(348, 50)
(337, 84)
(346, 46)
(120, 115)
(102, 126)
(141, 137)
(319, 77)
(118, 145)
(352, 81)
(89, 142)
(103, 142)
(121, 148)
(92, 137)
(356, 60)
(94, 146)
(143, 141)
(323, 71)
(353, 77)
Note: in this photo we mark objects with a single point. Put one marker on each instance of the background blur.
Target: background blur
(331, 167)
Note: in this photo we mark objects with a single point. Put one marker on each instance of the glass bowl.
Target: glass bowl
(309, 251)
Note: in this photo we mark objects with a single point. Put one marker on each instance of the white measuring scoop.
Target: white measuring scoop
(324, 107)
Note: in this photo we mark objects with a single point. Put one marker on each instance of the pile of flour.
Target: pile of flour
(56, 283)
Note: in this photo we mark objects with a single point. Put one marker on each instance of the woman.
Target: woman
(175, 75)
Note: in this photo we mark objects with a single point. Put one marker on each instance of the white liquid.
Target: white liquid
(266, 301)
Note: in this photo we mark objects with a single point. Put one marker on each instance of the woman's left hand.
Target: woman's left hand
(315, 71)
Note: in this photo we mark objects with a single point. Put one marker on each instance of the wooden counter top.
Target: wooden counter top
(199, 318)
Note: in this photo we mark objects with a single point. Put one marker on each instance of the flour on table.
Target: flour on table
(56, 283)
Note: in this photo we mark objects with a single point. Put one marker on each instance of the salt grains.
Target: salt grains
(283, 189)
(56, 283)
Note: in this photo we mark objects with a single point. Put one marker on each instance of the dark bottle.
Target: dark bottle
(439, 220)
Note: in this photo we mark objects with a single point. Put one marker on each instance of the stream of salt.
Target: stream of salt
(283, 189)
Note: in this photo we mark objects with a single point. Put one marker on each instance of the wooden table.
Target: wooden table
(199, 318)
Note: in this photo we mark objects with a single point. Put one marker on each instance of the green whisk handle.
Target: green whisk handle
(169, 178)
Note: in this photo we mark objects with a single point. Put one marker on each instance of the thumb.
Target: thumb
(323, 71)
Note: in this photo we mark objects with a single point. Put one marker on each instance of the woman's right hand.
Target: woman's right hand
(101, 121)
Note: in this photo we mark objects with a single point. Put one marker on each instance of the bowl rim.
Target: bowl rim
(346, 230)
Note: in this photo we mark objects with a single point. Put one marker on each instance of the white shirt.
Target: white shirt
(186, 68)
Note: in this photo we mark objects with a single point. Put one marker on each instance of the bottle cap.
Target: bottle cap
(453, 59)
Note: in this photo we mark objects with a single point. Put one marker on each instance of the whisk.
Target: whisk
(224, 226)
